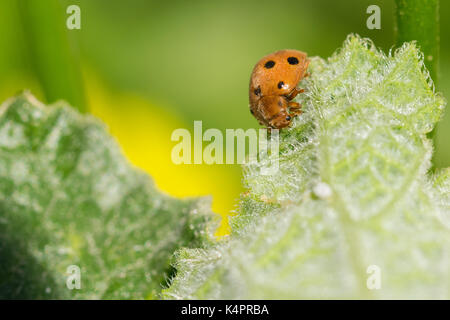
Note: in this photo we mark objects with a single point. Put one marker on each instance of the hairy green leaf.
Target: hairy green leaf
(351, 203)
(69, 197)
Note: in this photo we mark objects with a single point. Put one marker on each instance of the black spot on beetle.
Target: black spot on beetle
(280, 84)
(269, 64)
(257, 91)
(292, 60)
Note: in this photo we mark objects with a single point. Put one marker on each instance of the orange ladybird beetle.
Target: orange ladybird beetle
(273, 85)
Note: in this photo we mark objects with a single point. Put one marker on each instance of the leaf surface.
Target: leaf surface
(69, 197)
(351, 200)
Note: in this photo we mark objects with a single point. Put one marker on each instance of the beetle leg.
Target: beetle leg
(295, 108)
(294, 93)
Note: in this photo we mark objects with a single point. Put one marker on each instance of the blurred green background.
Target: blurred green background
(149, 67)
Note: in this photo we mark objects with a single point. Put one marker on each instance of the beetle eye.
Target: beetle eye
(288, 118)
(292, 60)
(269, 64)
(257, 91)
(280, 84)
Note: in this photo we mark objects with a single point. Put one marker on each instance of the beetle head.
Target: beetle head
(274, 110)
